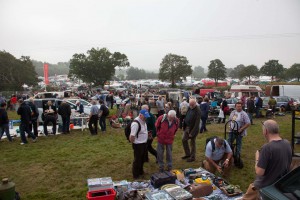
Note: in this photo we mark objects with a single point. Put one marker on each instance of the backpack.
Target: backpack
(183, 109)
(127, 129)
(213, 145)
(164, 118)
(105, 111)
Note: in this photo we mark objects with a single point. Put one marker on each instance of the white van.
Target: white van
(247, 90)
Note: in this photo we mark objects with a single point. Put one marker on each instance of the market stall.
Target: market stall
(175, 185)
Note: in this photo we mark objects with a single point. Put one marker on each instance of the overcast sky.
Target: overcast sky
(234, 31)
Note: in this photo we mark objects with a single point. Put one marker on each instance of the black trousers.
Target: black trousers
(150, 149)
(139, 151)
(93, 124)
(34, 125)
(52, 119)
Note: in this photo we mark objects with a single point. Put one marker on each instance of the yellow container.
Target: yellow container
(201, 181)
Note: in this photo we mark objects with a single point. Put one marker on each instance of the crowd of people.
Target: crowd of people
(219, 153)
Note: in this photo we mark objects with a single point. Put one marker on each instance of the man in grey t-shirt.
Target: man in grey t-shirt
(272, 162)
(218, 156)
(160, 106)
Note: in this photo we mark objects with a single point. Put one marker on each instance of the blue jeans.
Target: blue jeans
(250, 115)
(160, 155)
(102, 123)
(66, 124)
(257, 109)
(25, 128)
(203, 124)
(5, 128)
(234, 136)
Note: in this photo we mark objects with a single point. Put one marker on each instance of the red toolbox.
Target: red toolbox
(105, 194)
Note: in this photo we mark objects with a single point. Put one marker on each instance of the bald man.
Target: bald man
(191, 130)
(272, 161)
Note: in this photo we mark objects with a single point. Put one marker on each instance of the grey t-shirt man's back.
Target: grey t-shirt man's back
(275, 157)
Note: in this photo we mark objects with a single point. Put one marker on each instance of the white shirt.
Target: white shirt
(143, 134)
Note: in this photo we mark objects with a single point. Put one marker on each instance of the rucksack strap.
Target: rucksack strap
(139, 127)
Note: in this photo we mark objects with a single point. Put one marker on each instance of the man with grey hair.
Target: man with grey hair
(218, 156)
(160, 103)
(272, 161)
(166, 127)
(191, 130)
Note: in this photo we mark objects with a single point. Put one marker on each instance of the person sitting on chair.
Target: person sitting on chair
(50, 115)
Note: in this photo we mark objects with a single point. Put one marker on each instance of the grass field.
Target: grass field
(57, 167)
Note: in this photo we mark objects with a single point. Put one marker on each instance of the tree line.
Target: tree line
(99, 66)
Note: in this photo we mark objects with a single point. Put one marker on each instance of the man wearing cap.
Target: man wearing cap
(138, 137)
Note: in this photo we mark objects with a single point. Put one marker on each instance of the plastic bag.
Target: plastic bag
(221, 114)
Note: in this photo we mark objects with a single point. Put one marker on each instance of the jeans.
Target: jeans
(102, 123)
(25, 128)
(203, 124)
(238, 137)
(250, 115)
(257, 109)
(160, 155)
(66, 124)
(5, 128)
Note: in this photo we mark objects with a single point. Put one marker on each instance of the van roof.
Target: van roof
(245, 88)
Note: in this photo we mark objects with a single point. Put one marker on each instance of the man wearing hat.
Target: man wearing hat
(138, 137)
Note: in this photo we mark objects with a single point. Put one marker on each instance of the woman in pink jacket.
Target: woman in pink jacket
(166, 127)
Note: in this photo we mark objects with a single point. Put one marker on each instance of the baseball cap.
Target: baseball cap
(145, 113)
(184, 98)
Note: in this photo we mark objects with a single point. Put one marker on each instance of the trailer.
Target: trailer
(292, 91)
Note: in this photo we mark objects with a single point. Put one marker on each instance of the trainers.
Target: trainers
(22, 143)
(34, 140)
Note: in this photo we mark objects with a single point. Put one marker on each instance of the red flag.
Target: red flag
(46, 74)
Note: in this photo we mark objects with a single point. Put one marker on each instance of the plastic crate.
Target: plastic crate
(106, 194)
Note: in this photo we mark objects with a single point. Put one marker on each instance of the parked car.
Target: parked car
(39, 103)
(282, 101)
(231, 103)
(285, 188)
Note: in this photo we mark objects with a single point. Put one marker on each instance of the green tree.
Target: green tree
(98, 66)
(272, 68)
(134, 73)
(54, 69)
(198, 72)
(249, 71)
(173, 68)
(294, 71)
(235, 73)
(16, 72)
(216, 70)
